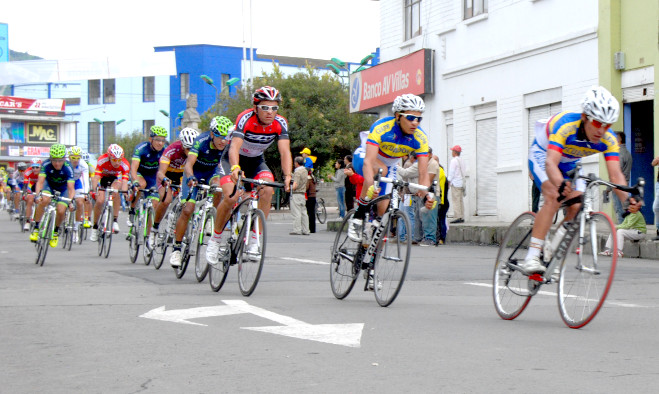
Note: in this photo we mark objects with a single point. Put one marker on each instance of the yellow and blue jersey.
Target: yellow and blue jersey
(566, 135)
(393, 142)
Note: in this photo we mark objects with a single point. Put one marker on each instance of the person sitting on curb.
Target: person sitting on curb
(632, 228)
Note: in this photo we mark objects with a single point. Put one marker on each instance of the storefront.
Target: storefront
(28, 127)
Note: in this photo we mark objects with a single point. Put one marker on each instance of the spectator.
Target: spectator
(355, 180)
(655, 204)
(298, 210)
(350, 188)
(626, 167)
(632, 228)
(428, 217)
(311, 200)
(339, 180)
(308, 160)
(457, 181)
(442, 205)
(411, 202)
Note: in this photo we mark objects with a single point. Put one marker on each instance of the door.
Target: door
(640, 143)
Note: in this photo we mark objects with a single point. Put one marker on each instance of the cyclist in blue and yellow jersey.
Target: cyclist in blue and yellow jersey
(201, 163)
(144, 166)
(389, 139)
(56, 176)
(81, 178)
(560, 143)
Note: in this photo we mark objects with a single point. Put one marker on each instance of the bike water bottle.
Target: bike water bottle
(555, 241)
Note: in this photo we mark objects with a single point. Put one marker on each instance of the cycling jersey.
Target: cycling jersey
(393, 143)
(30, 178)
(258, 137)
(174, 156)
(81, 177)
(149, 161)
(207, 155)
(104, 168)
(56, 180)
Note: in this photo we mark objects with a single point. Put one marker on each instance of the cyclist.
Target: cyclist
(29, 182)
(256, 129)
(201, 163)
(88, 201)
(388, 140)
(56, 175)
(111, 171)
(170, 172)
(12, 189)
(81, 178)
(17, 185)
(144, 166)
(560, 143)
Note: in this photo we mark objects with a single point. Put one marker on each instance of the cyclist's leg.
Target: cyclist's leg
(142, 182)
(116, 201)
(165, 196)
(223, 172)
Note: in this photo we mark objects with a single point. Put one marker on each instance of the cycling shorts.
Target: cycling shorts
(107, 181)
(253, 167)
(537, 163)
(150, 180)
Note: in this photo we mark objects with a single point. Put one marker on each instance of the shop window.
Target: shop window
(412, 18)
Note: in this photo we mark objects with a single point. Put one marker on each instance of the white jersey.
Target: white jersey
(81, 176)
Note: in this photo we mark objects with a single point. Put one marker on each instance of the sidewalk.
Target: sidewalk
(491, 233)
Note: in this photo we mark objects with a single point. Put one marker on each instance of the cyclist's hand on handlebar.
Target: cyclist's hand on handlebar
(165, 182)
(192, 181)
(135, 185)
(72, 206)
(234, 174)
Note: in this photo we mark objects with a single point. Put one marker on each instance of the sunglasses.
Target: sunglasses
(158, 139)
(412, 118)
(598, 124)
(267, 108)
(74, 157)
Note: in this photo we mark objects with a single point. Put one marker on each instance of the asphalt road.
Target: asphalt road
(81, 324)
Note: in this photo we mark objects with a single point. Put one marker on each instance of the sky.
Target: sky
(346, 29)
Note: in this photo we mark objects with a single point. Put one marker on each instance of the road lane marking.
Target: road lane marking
(304, 260)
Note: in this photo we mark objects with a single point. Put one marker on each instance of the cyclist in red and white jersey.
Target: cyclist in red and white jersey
(112, 170)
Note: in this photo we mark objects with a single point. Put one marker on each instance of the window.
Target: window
(94, 137)
(185, 85)
(109, 132)
(148, 89)
(412, 18)
(94, 91)
(146, 126)
(108, 91)
(475, 7)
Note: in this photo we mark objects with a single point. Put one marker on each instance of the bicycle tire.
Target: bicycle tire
(205, 233)
(217, 274)
(147, 254)
(42, 242)
(321, 212)
(101, 232)
(21, 219)
(250, 265)
(185, 247)
(133, 245)
(69, 231)
(62, 230)
(343, 267)
(389, 270)
(160, 250)
(586, 275)
(81, 233)
(510, 287)
(107, 243)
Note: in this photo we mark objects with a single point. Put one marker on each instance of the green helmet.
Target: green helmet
(220, 126)
(158, 131)
(57, 151)
(75, 151)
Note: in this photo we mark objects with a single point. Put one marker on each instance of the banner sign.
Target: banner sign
(19, 105)
(22, 151)
(381, 84)
(12, 132)
(39, 133)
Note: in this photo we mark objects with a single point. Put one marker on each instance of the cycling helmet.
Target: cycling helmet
(85, 156)
(220, 126)
(600, 105)
(187, 136)
(158, 131)
(21, 166)
(408, 102)
(75, 151)
(10, 170)
(266, 93)
(57, 151)
(35, 162)
(115, 151)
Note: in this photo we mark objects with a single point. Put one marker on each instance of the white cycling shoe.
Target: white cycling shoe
(532, 265)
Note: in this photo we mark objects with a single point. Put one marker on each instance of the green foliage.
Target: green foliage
(316, 107)
(127, 141)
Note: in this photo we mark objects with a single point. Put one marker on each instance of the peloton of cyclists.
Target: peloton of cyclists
(256, 129)
(56, 176)
(111, 171)
(81, 178)
(202, 163)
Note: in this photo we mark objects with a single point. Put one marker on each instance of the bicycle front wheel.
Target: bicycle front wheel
(510, 287)
(147, 253)
(201, 243)
(107, 243)
(343, 265)
(252, 253)
(392, 259)
(321, 212)
(160, 249)
(586, 273)
(21, 218)
(133, 245)
(42, 242)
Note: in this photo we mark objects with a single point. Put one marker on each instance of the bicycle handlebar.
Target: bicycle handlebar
(258, 182)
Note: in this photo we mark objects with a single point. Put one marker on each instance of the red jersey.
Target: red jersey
(258, 137)
(30, 176)
(174, 156)
(104, 168)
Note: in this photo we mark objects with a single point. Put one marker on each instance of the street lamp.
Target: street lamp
(210, 81)
(342, 69)
(162, 111)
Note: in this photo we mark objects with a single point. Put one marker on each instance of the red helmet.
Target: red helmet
(266, 93)
(115, 151)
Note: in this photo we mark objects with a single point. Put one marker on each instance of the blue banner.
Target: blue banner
(4, 42)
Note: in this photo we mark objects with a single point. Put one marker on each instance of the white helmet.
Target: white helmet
(600, 105)
(408, 102)
(187, 137)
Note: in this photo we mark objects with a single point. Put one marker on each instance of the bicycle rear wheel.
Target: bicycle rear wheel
(185, 251)
(511, 291)
(392, 259)
(343, 267)
(201, 243)
(42, 242)
(133, 245)
(21, 218)
(251, 254)
(321, 212)
(160, 249)
(586, 276)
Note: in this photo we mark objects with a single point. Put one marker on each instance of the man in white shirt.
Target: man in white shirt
(456, 178)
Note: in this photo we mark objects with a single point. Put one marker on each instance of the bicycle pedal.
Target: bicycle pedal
(537, 278)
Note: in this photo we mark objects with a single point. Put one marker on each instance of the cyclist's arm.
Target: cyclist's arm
(424, 178)
(617, 177)
(234, 150)
(284, 146)
(550, 187)
(71, 188)
(134, 165)
(189, 165)
(84, 178)
(162, 169)
(40, 181)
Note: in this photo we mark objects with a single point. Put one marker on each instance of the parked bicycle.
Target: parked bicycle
(47, 225)
(138, 232)
(387, 256)
(321, 212)
(246, 246)
(583, 271)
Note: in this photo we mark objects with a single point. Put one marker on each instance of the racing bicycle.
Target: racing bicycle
(47, 225)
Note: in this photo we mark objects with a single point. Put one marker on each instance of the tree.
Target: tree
(316, 107)
(127, 141)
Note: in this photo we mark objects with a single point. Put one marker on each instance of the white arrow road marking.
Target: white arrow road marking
(549, 293)
(337, 334)
(305, 260)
